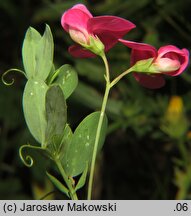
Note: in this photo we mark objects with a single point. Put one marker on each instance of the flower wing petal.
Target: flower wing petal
(151, 82)
(108, 40)
(78, 52)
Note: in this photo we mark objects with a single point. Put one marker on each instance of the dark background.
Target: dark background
(147, 150)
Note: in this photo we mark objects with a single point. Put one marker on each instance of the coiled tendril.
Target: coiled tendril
(8, 83)
(28, 160)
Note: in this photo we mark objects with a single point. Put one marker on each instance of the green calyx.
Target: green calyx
(145, 66)
(95, 45)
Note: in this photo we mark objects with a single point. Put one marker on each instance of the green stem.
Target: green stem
(72, 192)
(102, 113)
(116, 80)
(109, 85)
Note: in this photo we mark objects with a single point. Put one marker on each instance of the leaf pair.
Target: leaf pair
(37, 53)
(78, 152)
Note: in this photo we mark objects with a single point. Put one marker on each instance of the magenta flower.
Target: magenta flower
(83, 27)
(168, 60)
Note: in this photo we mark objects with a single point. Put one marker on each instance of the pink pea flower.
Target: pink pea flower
(84, 28)
(168, 60)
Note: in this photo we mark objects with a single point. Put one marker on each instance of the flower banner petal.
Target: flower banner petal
(116, 25)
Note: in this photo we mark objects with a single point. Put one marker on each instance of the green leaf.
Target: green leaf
(34, 108)
(79, 152)
(82, 179)
(44, 55)
(29, 49)
(52, 71)
(58, 184)
(58, 148)
(37, 53)
(67, 78)
(56, 113)
(66, 141)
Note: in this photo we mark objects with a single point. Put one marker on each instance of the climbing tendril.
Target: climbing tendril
(8, 83)
(27, 159)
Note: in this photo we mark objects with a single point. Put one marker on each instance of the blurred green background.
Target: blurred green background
(147, 154)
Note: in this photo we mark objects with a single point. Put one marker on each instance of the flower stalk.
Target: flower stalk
(104, 103)
(109, 85)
